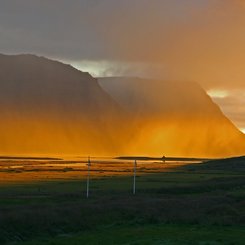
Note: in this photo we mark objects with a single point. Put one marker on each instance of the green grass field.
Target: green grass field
(195, 204)
(149, 234)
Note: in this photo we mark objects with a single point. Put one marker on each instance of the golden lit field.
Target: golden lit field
(31, 171)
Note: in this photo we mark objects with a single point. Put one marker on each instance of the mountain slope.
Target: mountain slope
(174, 118)
(51, 108)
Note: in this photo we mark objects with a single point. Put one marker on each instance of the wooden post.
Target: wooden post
(88, 176)
(134, 183)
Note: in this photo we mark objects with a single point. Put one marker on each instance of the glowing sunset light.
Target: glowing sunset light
(215, 93)
(122, 122)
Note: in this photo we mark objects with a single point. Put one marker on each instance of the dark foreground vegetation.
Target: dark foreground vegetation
(196, 204)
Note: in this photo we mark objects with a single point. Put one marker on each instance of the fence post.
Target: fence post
(134, 183)
(88, 176)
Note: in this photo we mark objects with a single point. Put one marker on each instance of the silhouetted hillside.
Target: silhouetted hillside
(227, 164)
(49, 107)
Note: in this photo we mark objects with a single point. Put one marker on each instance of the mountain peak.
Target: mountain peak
(48, 106)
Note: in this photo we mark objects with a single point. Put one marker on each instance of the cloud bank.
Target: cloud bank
(198, 40)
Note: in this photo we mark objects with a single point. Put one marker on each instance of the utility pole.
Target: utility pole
(88, 176)
(134, 183)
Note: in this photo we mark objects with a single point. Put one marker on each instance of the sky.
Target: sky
(197, 40)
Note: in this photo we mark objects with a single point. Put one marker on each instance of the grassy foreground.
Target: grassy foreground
(150, 234)
(196, 204)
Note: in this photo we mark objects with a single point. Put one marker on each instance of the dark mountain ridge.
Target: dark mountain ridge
(50, 107)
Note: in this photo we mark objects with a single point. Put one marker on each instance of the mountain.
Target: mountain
(48, 107)
(174, 119)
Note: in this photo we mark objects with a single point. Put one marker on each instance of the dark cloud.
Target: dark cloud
(51, 28)
(90, 29)
(201, 40)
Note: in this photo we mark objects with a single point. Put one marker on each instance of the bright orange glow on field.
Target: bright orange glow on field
(175, 136)
(187, 137)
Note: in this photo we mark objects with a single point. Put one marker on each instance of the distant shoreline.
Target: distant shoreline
(139, 158)
(142, 158)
